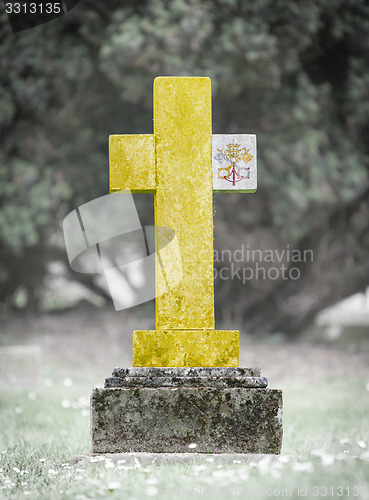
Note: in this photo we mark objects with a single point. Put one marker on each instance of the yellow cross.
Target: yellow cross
(175, 163)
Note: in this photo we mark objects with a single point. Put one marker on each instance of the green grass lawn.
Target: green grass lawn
(325, 451)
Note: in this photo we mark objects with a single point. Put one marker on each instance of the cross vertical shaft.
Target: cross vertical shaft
(184, 197)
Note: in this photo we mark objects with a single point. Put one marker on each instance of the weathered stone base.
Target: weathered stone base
(168, 419)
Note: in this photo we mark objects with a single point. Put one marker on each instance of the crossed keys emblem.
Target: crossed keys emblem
(239, 158)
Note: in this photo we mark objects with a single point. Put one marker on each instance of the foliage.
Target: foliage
(296, 74)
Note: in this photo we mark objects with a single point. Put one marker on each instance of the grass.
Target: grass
(325, 451)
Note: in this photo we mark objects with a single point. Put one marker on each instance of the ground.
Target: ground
(326, 403)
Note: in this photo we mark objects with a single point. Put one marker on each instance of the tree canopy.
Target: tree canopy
(294, 73)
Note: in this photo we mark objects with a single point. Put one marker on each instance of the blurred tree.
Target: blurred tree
(296, 74)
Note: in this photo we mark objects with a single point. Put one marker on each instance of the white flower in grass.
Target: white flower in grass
(93, 481)
(277, 465)
(152, 491)
(26, 492)
(52, 472)
(275, 473)
(243, 474)
(344, 440)
(210, 459)
(200, 467)
(327, 460)
(109, 465)
(94, 459)
(341, 456)
(303, 467)
(15, 469)
(121, 461)
(152, 480)
(226, 474)
(114, 485)
(67, 382)
(85, 413)
(8, 483)
(48, 382)
(18, 410)
(32, 396)
(192, 446)
(65, 403)
(318, 453)
(367, 386)
(361, 444)
(124, 467)
(84, 402)
(206, 479)
(219, 473)
(264, 464)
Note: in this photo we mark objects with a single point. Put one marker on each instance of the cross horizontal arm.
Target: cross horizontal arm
(132, 163)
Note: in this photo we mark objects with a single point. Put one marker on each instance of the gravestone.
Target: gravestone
(185, 387)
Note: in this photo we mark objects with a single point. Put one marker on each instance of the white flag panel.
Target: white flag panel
(234, 162)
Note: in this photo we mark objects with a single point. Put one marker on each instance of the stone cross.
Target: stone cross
(182, 163)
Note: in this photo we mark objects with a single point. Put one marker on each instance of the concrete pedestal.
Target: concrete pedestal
(166, 410)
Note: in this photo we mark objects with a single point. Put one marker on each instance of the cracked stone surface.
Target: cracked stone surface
(186, 382)
(169, 419)
(186, 377)
(202, 371)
